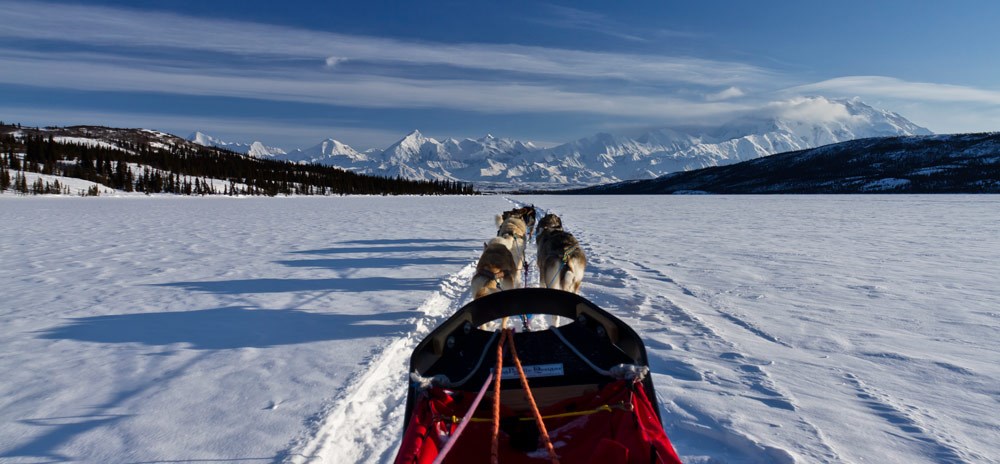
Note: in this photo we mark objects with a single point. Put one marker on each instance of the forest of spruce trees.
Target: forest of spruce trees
(135, 160)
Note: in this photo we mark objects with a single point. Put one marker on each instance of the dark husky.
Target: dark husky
(526, 213)
(560, 259)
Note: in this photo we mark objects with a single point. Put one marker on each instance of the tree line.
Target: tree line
(132, 163)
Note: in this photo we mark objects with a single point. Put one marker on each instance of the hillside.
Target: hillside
(963, 163)
(140, 160)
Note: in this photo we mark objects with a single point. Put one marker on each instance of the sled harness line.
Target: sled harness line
(562, 264)
(622, 406)
(465, 421)
(630, 372)
(508, 335)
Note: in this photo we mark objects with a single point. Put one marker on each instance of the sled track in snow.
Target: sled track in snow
(341, 433)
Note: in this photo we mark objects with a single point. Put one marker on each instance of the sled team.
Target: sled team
(559, 259)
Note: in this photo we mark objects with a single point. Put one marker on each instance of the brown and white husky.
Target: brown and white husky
(495, 271)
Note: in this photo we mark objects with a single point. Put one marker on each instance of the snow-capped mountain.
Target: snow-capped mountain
(418, 157)
(254, 149)
(959, 163)
(491, 162)
(330, 152)
(786, 126)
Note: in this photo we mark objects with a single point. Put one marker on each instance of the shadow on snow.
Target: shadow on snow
(363, 284)
(388, 249)
(402, 241)
(229, 328)
(373, 263)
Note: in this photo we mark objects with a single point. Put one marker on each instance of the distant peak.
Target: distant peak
(202, 138)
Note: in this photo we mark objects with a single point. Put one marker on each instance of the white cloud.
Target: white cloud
(890, 87)
(333, 61)
(145, 30)
(358, 91)
(942, 108)
(809, 109)
(726, 94)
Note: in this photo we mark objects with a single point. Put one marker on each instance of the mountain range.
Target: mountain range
(491, 162)
(958, 163)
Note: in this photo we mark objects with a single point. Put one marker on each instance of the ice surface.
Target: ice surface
(779, 328)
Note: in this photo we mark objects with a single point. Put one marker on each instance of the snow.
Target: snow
(86, 142)
(76, 186)
(254, 149)
(811, 329)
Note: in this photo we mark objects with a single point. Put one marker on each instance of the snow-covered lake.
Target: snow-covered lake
(779, 328)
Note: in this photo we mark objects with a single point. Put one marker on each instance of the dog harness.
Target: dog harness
(491, 276)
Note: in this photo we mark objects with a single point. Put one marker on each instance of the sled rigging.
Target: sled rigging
(588, 380)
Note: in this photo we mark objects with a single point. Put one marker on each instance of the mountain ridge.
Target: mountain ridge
(955, 163)
(795, 124)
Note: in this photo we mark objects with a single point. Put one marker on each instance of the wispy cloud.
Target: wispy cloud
(890, 87)
(943, 108)
(726, 94)
(573, 18)
(346, 90)
(128, 50)
(110, 27)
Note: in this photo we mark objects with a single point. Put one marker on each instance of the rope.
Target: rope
(624, 406)
(495, 447)
(578, 353)
(424, 383)
(465, 420)
(556, 275)
(622, 371)
(531, 401)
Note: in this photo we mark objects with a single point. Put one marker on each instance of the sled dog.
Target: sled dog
(512, 231)
(526, 214)
(548, 222)
(560, 259)
(513, 226)
(495, 271)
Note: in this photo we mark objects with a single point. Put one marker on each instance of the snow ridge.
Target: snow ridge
(375, 396)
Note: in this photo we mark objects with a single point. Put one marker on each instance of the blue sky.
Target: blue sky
(292, 73)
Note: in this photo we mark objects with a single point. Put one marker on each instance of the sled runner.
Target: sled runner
(587, 397)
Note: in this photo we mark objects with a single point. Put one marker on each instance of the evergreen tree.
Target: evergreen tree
(22, 184)
(4, 179)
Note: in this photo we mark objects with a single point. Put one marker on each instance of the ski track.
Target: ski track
(377, 394)
(665, 319)
(910, 423)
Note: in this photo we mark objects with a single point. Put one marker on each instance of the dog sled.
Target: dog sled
(576, 393)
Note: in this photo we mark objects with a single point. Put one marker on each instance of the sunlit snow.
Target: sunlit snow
(811, 329)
